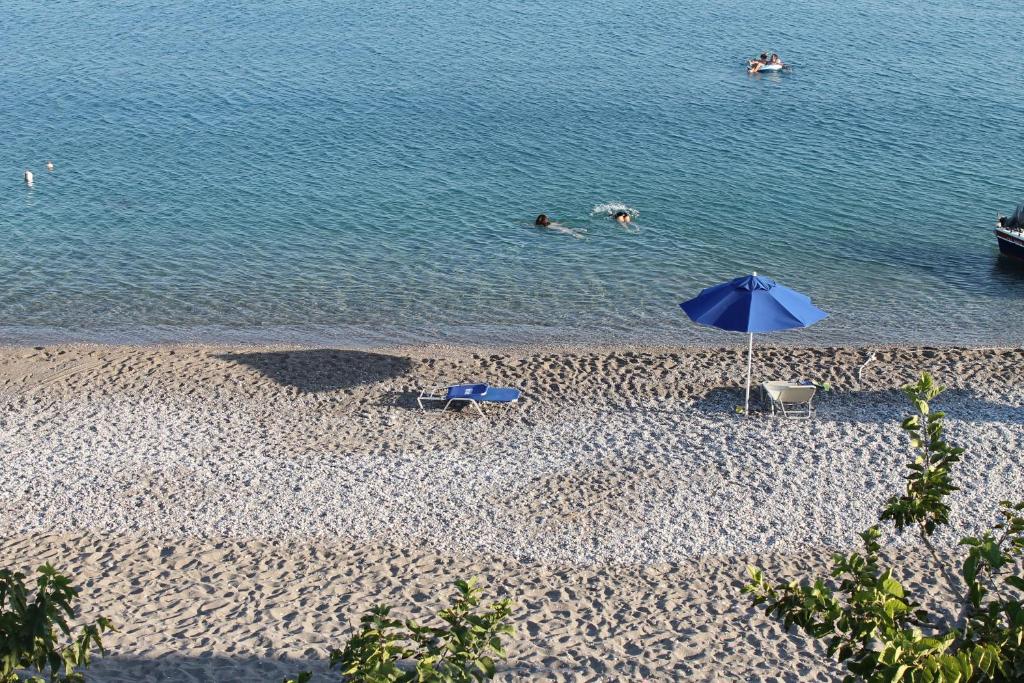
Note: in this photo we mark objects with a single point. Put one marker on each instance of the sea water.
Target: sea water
(369, 172)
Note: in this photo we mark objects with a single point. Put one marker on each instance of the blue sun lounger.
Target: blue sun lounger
(473, 394)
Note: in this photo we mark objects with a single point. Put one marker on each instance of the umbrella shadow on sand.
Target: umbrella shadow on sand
(720, 400)
(891, 405)
(205, 667)
(321, 370)
(399, 399)
(730, 401)
(875, 406)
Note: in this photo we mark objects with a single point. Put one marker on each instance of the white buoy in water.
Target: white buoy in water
(28, 177)
(49, 166)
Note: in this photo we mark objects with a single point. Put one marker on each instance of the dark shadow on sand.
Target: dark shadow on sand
(890, 405)
(730, 401)
(316, 370)
(726, 399)
(209, 668)
(111, 668)
(399, 399)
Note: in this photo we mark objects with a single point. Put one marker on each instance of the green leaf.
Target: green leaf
(486, 665)
(970, 570)
(892, 587)
(990, 551)
(951, 671)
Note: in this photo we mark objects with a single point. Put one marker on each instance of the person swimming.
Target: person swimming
(543, 221)
(622, 217)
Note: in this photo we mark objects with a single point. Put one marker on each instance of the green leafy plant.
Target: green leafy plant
(867, 618)
(30, 628)
(386, 650)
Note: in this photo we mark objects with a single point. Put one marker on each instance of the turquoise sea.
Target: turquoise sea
(363, 173)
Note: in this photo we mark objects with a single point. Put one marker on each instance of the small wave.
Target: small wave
(612, 208)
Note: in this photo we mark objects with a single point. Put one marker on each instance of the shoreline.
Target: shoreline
(761, 341)
(440, 350)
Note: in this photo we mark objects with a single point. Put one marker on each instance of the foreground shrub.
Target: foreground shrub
(387, 650)
(29, 625)
(867, 618)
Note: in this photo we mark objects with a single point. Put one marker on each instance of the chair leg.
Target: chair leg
(476, 404)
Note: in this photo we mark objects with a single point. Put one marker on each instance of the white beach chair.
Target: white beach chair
(793, 399)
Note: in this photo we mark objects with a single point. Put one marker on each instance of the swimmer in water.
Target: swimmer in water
(544, 222)
(49, 166)
(622, 217)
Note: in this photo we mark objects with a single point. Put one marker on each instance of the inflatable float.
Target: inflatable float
(756, 67)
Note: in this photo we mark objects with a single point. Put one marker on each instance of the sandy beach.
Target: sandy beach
(234, 510)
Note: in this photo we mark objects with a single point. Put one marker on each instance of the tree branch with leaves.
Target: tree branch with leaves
(31, 626)
(866, 617)
(462, 650)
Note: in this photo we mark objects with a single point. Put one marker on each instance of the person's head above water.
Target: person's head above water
(542, 220)
(621, 216)
(764, 57)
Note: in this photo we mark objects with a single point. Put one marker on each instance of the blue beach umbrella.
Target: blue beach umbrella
(750, 304)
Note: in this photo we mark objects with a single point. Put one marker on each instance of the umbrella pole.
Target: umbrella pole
(750, 356)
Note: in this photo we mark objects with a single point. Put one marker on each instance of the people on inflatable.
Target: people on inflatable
(755, 65)
(1015, 221)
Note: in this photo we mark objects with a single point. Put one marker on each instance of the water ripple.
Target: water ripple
(369, 173)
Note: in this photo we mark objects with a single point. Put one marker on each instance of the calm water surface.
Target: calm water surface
(368, 172)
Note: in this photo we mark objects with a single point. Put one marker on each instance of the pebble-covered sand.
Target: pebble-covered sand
(235, 509)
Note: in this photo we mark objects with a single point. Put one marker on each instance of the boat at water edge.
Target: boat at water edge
(1010, 234)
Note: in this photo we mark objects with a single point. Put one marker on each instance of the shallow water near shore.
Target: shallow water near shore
(369, 174)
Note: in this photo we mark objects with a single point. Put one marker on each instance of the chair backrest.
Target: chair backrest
(466, 391)
(795, 394)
